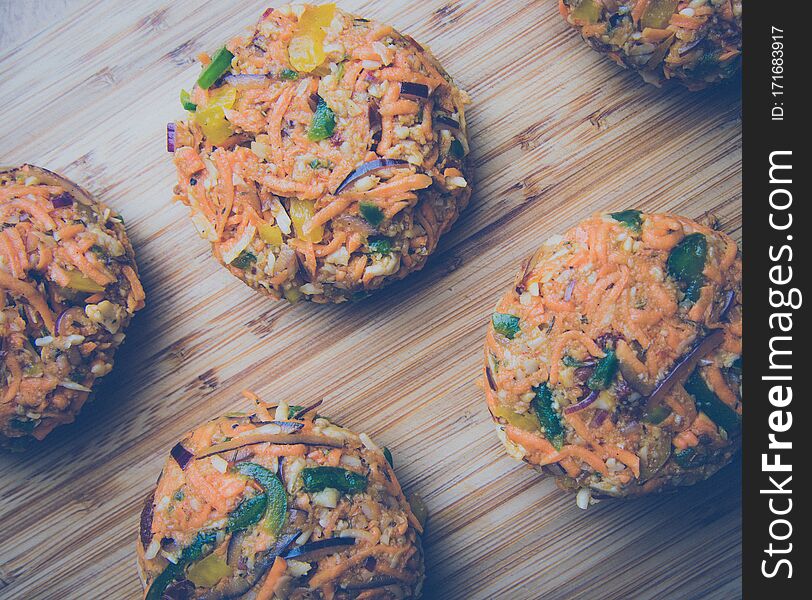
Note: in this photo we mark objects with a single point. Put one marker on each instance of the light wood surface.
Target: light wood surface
(557, 133)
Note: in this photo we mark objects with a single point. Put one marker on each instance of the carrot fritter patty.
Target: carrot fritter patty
(68, 288)
(281, 503)
(615, 359)
(695, 42)
(323, 154)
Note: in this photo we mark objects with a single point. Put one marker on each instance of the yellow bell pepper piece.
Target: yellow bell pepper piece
(658, 13)
(300, 212)
(270, 234)
(587, 11)
(293, 295)
(526, 422)
(212, 118)
(207, 572)
(306, 48)
(80, 283)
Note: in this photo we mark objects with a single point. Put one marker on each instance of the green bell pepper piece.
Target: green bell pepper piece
(630, 218)
(507, 325)
(315, 479)
(710, 404)
(220, 63)
(371, 212)
(457, 149)
(186, 102)
(277, 498)
(193, 552)
(323, 124)
(686, 261)
(244, 260)
(248, 512)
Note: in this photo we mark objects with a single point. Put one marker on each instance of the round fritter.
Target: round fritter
(695, 42)
(281, 503)
(615, 359)
(323, 154)
(68, 288)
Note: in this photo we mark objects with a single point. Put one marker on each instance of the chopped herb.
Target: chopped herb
(388, 456)
(323, 124)
(293, 409)
(288, 74)
(507, 325)
(604, 372)
(319, 164)
(371, 213)
(192, 181)
(220, 63)
(688, 458)
(630, 218)
(571, 362)
(542, 405)
(379, 245)
(244, 260)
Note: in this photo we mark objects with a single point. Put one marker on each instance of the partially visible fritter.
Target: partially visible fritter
(614, 361)
(68, 288)
(695, 42)
(279, 504)
(323, 154)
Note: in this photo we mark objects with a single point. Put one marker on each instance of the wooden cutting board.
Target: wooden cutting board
(86, 88)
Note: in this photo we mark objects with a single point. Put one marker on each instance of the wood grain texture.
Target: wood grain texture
(557, 133)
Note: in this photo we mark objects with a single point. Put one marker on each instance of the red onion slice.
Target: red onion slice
(448, 122)
(568, 291)
(287, 427)
(582, 404)
(181, 455)
(598, 418)
(368, 168)
(415, 90)
(442, 122)
(62, 200)
(414, 42)
(245, 79)
(146, 521)
(170, 137)
(684, 367)
(249, 439)
(379, 581)
(307, 409)
(731, 295)
(319, 548)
